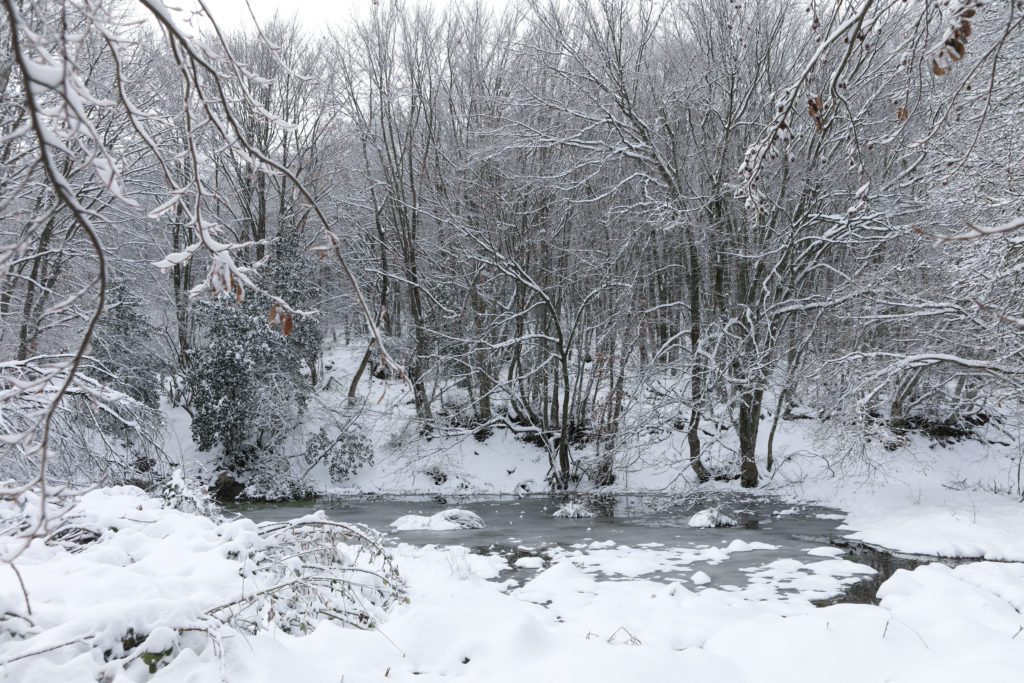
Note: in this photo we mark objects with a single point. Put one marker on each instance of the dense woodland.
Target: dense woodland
(586, 222)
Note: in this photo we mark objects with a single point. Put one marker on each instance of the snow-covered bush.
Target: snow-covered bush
(187, 495)
(458, 412)
(247, 391)
(345, 455)
(171, 581)
(599, 469)
(26, 514)
(251, 381)
(317, 569)
(273, 479)
(121, 344)
(407, 434)
(96, 432)
(573, 510)
(437, 473)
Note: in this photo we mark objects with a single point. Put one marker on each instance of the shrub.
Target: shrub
(573, 510)
(188, 496)
(349, 453)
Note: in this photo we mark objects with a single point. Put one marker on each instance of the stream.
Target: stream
(524, 527)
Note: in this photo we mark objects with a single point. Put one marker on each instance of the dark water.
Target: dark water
(885, 563)
(525, 527)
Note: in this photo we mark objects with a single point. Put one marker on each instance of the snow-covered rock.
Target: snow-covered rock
(700, 579)
(446, 520)
(711, 518)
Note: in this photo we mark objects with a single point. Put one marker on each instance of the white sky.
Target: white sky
(315, 13)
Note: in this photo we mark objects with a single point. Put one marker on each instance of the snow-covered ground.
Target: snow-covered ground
(592, 614)
(955, 501)
(156, 572)
(933, 624)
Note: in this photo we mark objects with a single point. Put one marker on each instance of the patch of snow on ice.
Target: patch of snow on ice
(630, 562)
(813, 581)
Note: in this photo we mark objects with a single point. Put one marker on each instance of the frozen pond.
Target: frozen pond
(638, 536)
(629, 519)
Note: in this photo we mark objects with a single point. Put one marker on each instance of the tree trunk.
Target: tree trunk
(563, 441)
(749, 422)
(780, 406)
(353, 385)
(696, 372)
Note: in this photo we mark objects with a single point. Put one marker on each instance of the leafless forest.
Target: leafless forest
(587, 222)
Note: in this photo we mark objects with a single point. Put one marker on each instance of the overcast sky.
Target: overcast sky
(315, 13)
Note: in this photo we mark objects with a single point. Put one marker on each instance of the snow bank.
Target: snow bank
(446, 520)
(924, 499)
(126, 586)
